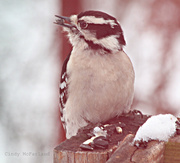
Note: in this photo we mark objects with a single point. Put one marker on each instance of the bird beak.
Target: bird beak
(61, 21)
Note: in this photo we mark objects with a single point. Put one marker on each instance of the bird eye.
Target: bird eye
(83, 25)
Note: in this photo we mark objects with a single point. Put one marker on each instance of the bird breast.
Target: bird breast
(99, 84)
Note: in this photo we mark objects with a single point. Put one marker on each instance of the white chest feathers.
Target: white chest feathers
(100, 86)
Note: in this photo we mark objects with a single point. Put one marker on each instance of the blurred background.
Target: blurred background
(32, 50)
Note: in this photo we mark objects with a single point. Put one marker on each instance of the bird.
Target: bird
(97, 78)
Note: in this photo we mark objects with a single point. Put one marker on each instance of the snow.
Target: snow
(159, 127)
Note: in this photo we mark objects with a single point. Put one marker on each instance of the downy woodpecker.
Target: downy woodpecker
(97, 79)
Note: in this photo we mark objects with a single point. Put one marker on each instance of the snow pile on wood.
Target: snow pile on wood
(159, 127)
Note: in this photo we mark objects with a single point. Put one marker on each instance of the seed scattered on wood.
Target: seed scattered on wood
(119, 130)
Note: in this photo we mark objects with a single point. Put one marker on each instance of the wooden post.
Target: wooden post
(158, 152)
(81, 156)
(172, 151)
(121, 148)
(69, 151)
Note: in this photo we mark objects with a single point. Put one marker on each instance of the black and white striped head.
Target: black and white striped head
(98, 30)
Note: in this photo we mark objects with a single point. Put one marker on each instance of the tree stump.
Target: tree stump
(70, 152)
(121, 148)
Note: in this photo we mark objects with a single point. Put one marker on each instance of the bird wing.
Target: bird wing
(63, 87)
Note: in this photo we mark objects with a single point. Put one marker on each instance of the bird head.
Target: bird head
(96, 29)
